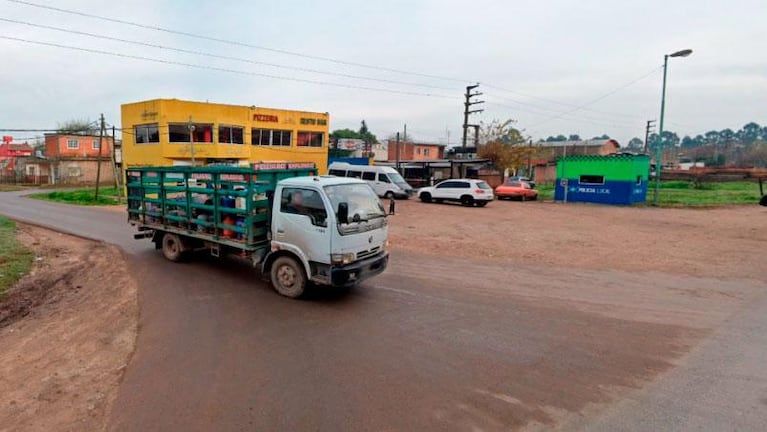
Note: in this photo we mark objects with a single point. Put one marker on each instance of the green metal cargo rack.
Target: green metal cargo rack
(222, 204)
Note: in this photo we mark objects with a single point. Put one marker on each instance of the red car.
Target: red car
(516, 190)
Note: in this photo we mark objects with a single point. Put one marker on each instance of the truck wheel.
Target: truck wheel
(287, 277)
(172, 247)
(389, 195)
(425, 197)
(467, 201)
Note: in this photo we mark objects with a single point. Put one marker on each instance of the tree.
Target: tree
(688, 142)
(669, 139)
(366, 135)
(574, 137)
(557, 138)
(726, 136)
(636, 143)
(77, 126)
(749, 133)
(603, 137)
(345, 134)
(503, 145)
(712, 137)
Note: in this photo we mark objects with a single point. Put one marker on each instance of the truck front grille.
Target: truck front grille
(367, 253)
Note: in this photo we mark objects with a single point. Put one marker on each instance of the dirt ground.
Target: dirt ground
(67, 331)
(726, 242)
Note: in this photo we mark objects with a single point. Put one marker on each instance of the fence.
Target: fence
(23, 179)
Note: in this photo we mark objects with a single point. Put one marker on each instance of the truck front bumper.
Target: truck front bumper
(354, 273)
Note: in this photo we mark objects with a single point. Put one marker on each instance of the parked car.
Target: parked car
(524, 179)
(516, 190)
(468, 192)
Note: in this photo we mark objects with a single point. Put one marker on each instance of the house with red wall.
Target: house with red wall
(410, 151)
(75, 158)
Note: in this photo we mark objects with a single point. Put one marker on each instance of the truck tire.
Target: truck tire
(288, 277)
(172, 248)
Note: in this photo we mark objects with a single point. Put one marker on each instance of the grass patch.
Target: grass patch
(687, 194)
(15, 258)
(107, 196)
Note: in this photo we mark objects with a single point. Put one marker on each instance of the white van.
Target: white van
(385, 181)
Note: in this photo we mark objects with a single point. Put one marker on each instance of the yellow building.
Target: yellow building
(164, 132)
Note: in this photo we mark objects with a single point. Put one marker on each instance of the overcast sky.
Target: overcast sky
(537, 62)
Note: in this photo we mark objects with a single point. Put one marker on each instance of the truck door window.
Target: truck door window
(368, 176)
(383, 178)
(304, 202)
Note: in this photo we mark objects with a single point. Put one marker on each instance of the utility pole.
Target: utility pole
(117, 173)
(191, 128)
(397, 153)
(648, 130)
(98, 160)
(466, 111)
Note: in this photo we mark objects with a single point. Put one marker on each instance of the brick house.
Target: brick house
(74, 158)
(415, 151)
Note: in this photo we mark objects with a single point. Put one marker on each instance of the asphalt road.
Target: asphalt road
(432, 344)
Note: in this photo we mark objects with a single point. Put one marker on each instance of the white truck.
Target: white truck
(296, 226)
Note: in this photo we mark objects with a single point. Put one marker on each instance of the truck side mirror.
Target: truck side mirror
(343, 213)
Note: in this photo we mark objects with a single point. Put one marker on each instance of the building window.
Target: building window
(592, 180)
(426, 151)
(281, 138)
(95, 144)
(73, 144)
(260, 137)
(146, 134)
(418, 150)
(179, 133)
(230, 134)
(310, 139)
(270, 137)
(73, 171)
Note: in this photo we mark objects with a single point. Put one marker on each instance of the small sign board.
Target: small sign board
(563, 182)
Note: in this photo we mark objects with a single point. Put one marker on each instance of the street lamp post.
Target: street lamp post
(659, 144)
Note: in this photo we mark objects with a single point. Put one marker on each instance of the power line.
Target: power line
(598, 122)
(572, 105)
(604, 96)
(221, 69)
(223, 57)
(231, 42)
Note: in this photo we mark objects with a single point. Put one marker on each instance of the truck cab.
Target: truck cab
(333, 229)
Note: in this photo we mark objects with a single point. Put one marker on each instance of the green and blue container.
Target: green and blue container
(619, 179)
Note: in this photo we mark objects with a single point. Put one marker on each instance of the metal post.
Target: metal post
(397, 154)
(659, 145)
(191, 128)
(98, 159)
(564, 176)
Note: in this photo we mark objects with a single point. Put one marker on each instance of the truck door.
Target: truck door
(302, 222)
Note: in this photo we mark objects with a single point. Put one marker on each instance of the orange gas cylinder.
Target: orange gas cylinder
(227, 232)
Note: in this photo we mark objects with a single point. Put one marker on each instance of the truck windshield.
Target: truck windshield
(363, 202)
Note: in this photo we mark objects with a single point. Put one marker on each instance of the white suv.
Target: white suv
(466, 191)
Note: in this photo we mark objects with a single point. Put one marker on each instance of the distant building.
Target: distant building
(74, 159)
(12, 160)
(415, 151)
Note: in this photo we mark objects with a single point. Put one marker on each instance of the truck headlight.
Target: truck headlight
(345, 258)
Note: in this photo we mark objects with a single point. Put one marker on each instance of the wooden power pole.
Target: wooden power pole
(98, 159)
